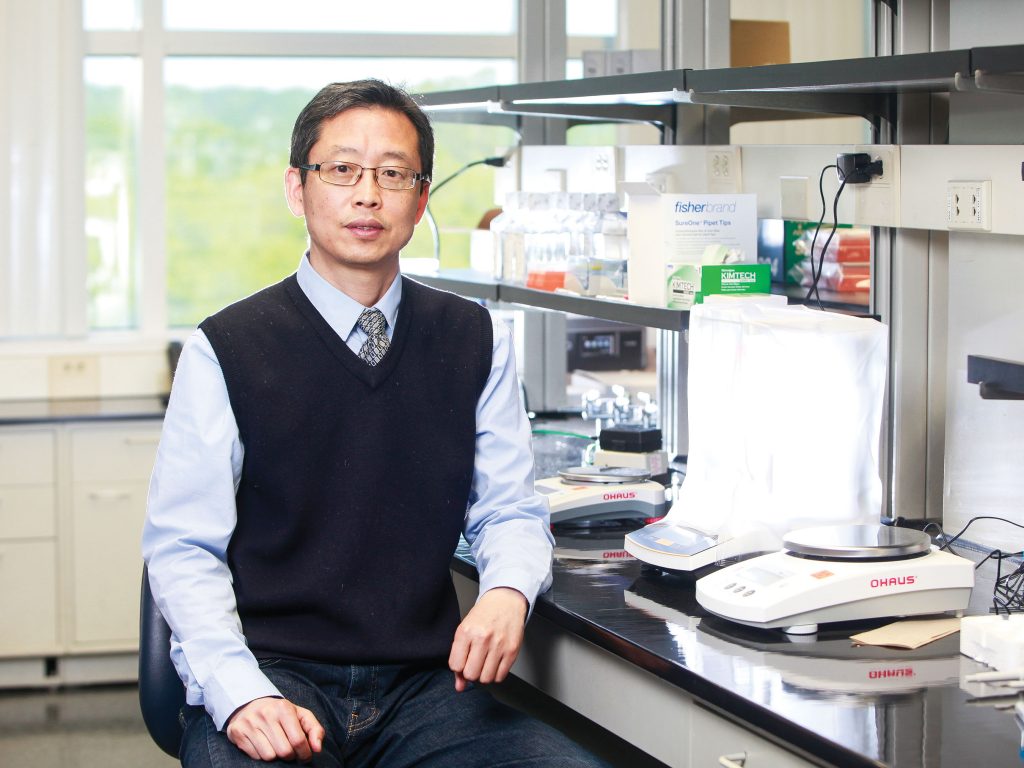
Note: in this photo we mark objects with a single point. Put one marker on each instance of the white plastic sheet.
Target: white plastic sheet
(785, 411)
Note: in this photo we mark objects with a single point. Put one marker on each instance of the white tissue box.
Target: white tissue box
(994, 640)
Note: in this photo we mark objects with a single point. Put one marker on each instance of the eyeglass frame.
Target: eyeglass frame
(416, 175)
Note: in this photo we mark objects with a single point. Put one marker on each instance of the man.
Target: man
(318, 462)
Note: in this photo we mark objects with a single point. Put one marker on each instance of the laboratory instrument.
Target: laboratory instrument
(581, 495)
(839, 573)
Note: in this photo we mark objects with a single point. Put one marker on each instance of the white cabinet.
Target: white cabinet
(110, 469)
(28, 542)
(72, 505)
(641, 707)
(717, 741)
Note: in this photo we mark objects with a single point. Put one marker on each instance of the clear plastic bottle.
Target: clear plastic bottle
(499, 224)
(590, 224)
(575, 225)
(613, 244)
(511, 248)
(539, 231)
(600, 266)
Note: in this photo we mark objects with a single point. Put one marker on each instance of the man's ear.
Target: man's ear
(293, 191)
(424, 194)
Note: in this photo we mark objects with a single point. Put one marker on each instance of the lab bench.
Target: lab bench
(73, 481)
(630, 648)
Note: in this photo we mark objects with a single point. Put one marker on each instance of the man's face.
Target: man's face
(362, 226)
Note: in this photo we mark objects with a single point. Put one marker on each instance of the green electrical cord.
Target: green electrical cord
(562, 433)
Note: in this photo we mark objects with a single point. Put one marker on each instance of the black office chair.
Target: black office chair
(161, 693)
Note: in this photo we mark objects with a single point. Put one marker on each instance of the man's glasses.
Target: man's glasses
(347, 174)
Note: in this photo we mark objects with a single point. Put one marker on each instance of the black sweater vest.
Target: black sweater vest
(356, 479)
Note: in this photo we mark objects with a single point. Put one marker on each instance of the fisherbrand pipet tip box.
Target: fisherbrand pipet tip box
(676, 229)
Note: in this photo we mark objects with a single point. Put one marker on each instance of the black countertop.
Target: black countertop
(845, 705)
(86, 409)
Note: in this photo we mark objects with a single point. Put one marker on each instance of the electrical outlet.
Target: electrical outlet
(724, 170)
(877, 202)
(74, 376)
(794, 198)
(969, 205)
(659, 181)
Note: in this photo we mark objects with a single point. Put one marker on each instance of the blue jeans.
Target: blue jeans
(393, 716)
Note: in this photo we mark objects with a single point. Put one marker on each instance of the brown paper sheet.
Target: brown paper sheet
(908, 634)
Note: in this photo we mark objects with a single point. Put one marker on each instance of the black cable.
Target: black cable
(821, 194)
(498, 161)
(940, 535)
(972, 520)
(1006, 595)
(828, 241)
(816, 275)
(995, 554)
(1008, 588)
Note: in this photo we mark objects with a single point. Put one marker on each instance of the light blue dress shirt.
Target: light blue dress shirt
(191, 513)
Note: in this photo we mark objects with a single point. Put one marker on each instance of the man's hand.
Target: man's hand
(270, 728)
(488, 639)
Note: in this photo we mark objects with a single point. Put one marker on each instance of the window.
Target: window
(232, 83)
(111, 14)
(463, 17)
(227, 124)
(595, 18)
(111, 184)
(189, 109)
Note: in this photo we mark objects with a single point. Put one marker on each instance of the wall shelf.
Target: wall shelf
(465, 282)
(603, 309)
(478, 286)
(866, 87)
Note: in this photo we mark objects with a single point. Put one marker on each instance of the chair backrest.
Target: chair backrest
(161, 693)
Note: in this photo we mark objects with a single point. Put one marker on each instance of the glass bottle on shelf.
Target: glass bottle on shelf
(509, 229)
(599, 267)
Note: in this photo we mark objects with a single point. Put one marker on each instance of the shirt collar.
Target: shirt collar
(339, 309)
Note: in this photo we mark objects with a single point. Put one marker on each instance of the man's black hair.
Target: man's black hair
(336, 98)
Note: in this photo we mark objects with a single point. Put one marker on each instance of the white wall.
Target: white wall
(984, 469)
(112, 367)
(819, 30)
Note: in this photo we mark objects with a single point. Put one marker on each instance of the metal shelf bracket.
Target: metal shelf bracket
(1010, 82)
(996, 379)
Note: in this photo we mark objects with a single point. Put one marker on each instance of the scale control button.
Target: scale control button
(731, 585)
(748, 593)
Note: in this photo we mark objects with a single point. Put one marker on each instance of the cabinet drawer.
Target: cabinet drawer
(26, 458)
(27, 512)
(28, 598)
(713, 737)
(117, 455)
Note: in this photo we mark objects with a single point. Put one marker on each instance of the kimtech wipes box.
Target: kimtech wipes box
(669, 232)
(688, 284)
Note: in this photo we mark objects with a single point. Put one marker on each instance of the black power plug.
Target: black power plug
(857, 167)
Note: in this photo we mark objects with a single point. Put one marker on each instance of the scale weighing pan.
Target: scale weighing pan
(840, 573)
(606, 475)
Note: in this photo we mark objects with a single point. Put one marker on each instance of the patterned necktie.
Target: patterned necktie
(373, 324)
